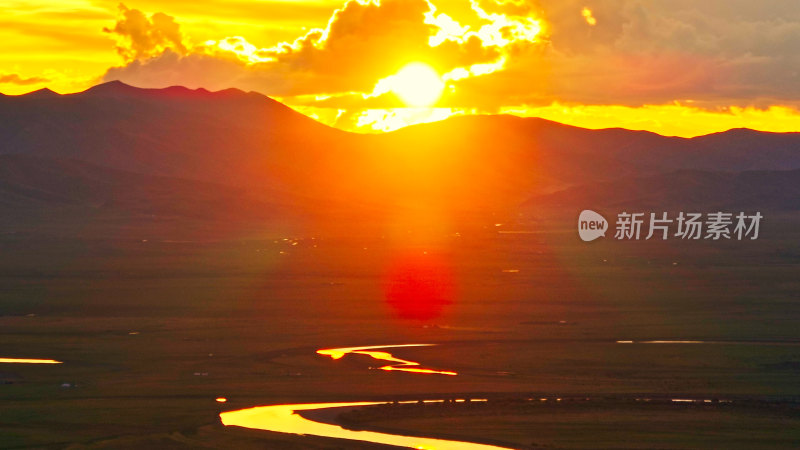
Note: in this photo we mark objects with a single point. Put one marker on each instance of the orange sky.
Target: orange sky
(676, 68)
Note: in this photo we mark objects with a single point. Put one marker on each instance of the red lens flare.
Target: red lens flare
(419, 286)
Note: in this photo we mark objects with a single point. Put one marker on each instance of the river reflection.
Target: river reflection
(401, 365)
(284, 419)
(29, 361)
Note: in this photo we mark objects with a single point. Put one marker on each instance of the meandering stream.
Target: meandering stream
(285, 418)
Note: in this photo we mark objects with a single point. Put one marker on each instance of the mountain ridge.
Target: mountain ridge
(110, 88)
(252, 142)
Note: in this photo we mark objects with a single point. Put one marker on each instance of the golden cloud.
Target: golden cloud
(491, 55)
(364, 42)
(13, 78)
(142, 37)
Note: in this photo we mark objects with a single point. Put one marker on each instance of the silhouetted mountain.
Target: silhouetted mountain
(252, 143)
(41, 93)
(225, 136)
(51, 197)
(685, 190)
(636, 151)
(28, 183)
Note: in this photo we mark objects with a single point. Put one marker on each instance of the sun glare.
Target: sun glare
(417, 85)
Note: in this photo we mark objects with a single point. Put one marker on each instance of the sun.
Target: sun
(417, 84)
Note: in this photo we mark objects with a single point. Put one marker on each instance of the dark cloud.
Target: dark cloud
(714, 53)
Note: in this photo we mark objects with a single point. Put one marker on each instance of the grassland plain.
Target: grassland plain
(152, 329)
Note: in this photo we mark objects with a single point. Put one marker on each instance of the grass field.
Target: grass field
(606, 424)
(152, 332)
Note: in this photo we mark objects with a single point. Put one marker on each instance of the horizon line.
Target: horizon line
(276, 99)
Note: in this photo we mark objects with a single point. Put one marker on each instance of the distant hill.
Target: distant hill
(227, 136)
(685, 190)
(154, 143)
(28, 182)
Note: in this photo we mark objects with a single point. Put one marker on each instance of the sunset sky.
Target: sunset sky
(676, 67)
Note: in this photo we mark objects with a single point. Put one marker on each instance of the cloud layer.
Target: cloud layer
(363, 42)
(13, 78)
(495, 53)
(143, 37)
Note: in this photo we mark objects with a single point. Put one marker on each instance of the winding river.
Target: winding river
(28, 361)
(398, 364)
(285, 418)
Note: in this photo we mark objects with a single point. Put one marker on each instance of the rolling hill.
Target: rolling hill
(196, 153)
